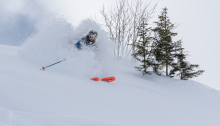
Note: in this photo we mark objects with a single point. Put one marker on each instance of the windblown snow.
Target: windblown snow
(64, 95)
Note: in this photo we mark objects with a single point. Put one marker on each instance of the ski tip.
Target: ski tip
(95, 79)
(43, 68)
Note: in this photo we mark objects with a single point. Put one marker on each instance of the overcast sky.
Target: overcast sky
(199, 25)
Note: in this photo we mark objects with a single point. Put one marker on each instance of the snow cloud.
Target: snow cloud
(19, 17)
(55, 41)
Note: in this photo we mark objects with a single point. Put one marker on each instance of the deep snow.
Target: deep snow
(64, 95)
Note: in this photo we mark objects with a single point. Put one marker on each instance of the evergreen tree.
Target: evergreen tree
(164, 45)
(189, 72)
(156, 50)
(185, 69)
(180, 56)
(143, 53)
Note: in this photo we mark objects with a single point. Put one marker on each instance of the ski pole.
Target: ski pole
(43, 68)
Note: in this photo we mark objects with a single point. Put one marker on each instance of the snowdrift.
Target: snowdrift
(64, 95)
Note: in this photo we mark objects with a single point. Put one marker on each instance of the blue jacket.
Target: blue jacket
(78, 45)
(84, 41)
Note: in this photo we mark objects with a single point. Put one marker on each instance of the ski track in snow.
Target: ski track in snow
(64, 95)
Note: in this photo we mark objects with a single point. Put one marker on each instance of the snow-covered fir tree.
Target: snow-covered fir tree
(157, 54)
(143, 52)
(185, 69)
(189, 72)
(164, 45)
(180, 57)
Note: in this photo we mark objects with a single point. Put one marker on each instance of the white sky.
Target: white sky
(199, 24)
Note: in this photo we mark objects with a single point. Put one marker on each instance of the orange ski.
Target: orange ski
(108, 79)
(43, 68)
(95, 79)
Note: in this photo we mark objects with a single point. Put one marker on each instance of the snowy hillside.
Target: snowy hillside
(64, 95)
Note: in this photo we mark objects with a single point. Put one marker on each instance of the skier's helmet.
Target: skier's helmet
(92, 35)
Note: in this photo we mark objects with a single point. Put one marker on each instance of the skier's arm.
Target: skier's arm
(78, 45)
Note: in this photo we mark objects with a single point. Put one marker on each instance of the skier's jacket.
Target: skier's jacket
(84, 41)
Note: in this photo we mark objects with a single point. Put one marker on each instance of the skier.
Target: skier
(88, 40)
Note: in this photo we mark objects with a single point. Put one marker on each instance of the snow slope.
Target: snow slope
(64, 95)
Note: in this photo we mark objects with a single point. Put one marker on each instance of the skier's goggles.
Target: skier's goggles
(93, 36)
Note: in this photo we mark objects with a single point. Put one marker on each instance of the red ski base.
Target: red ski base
(107, 79)
(95, 79)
